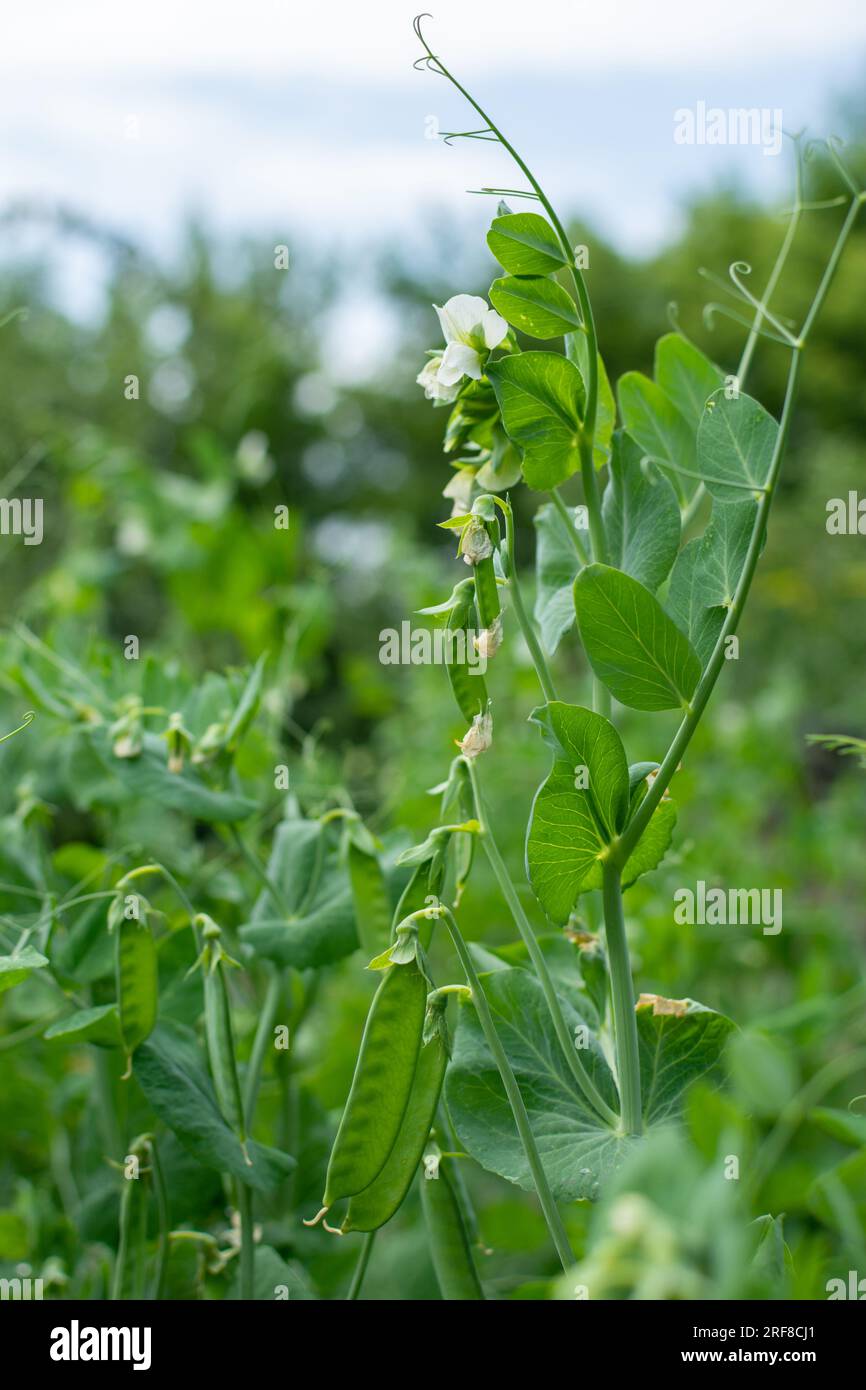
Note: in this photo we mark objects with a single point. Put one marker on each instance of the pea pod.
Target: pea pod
(370, 898)
(467, 682)
(450, 1245)
(373, 1207)
(218, 1026)
(129, 1264)
(135, 970)
(486, 593)
(381, 1085)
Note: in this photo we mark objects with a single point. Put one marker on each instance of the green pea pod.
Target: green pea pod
(219, 1033)
(370, 898)
(467, 683)
(136, 980)
(381, 1085)
(129, 1265)
(450, 1244)
(486, 593)
(370, 1209)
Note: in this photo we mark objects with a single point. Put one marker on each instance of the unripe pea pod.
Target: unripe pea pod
(381, 1085)
(450, 1242)
(218, 1027)
(135, 970)
(129, 1264)
(372, 1208)
(467, 682)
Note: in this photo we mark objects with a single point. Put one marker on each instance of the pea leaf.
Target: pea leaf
(579, 1153)
(632, 645)
(169, 1070)
(656, 425)
(686, 376)
(579, 808)
(15, 969)
(312, 923)
(641, 516)
(706, 574)
(525, 244)
(675, 1051)
(649, 851)
(535, 305)
(736, 441)
(100, 1025)
(556, 566)
(845, 1125)
(541, 396)
(147, 778)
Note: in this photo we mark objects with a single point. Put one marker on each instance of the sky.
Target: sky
(307, 120)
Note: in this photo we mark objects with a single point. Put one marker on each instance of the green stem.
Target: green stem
(684, 733)
(160, 1192)
(527, 627)
(588, 326)
(361, 1266)
(536, 955)
(512, 1091)
(263, 1037)
(568, 521)
(622, 996)
(248, 1249)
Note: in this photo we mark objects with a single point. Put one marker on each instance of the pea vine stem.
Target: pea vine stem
(527, 626)
(536, 955)
(638, 824)
(512, 1090)
(622, 998)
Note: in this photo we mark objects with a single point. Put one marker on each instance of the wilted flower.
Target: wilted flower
(478, 737)
(472, 329)
(488, 642)
(475, 542)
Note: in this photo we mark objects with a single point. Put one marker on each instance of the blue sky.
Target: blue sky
(307, 120)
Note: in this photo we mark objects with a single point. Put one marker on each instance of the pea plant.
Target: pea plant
(187, 939)
(558, 1071)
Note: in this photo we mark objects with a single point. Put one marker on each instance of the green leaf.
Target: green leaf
(686, 376)
(296, 850)
(675, 1051)
(578, 1152)
(641, 516)
(556, 566)
(649, 851)
(656, 425)
(576, 1149)
(323, 932)
(541, 396)
(845, 1125)
(632, 645)
(16, 968)
(706, 574)
(535, 305)
(147, 779)
(570, 824)
(100, 1025)
(736, 442)
(168, 1068)
(245, 710)
(525, 244)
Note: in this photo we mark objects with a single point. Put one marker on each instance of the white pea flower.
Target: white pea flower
(471, 329)
(434, 390)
